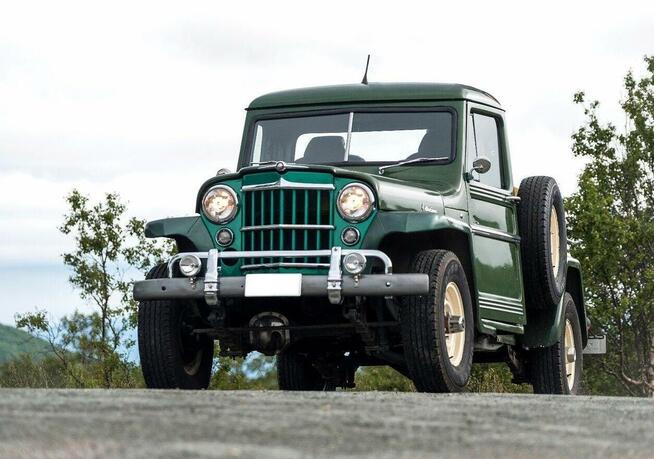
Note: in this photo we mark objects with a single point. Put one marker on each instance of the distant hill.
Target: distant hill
(14, 342)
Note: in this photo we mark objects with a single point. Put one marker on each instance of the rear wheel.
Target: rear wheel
(557, 369)
(172, 357)
(438, 328)
(295, 371)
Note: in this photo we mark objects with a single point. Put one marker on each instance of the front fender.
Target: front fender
(386, 223)
(189, 233)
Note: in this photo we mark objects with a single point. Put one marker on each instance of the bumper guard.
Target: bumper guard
(335, 285)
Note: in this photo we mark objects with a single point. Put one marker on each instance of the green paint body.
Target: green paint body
(410, 200)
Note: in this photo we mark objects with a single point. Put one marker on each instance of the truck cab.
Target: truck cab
(369, 224)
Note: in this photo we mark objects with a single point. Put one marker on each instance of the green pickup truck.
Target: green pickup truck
(369, 224)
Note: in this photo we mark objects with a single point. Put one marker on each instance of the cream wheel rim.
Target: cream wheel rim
(555, 241)
(454, 323)
(570, 354)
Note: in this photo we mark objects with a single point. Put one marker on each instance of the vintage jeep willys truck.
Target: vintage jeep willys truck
(369, 224)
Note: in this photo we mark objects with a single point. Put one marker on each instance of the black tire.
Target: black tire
(544, 285)
(423, 326)
(171, 357)
(547, 366)
(295, 372)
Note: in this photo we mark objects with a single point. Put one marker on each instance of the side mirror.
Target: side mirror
(481, 165)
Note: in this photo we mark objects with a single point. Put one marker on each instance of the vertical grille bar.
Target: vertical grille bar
(294, 221)
(318, 220)
(296, 206)
(262, 234)
(281, 219)
(272, 221)
(306, 221)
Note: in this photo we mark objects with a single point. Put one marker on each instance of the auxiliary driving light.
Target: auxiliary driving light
(354, 263)
(350, 236)
(190, 265)
(225, 237)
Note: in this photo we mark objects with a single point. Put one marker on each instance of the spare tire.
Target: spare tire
(544, 243)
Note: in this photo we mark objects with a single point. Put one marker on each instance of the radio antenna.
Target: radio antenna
(365, 74)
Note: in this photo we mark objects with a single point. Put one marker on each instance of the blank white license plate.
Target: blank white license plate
(273, 285)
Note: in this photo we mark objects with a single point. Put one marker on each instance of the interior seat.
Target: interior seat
(433, 145)
(325, 149)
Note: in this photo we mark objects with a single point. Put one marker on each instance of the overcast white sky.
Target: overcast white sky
(147, 98)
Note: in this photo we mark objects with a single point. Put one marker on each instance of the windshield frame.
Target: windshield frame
(247, 150)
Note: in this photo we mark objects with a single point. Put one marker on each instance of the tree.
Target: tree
(611, 229)
(92, 348)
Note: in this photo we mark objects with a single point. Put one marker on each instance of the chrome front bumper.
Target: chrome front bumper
(335, 285)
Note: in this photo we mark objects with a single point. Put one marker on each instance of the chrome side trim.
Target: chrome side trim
(494, 308)
(501, 301)
(282, 183)
(494, 234)
(495, 325)
(483, 190)
(287, 226)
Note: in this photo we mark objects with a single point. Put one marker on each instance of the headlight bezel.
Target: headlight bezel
(233, 213)
(367, 213)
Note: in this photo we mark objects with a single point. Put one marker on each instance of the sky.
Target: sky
(147, 98)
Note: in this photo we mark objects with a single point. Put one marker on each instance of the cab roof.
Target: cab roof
(372, 92)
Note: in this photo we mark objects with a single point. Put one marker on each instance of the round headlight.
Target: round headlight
(220, 204)
(355, 202)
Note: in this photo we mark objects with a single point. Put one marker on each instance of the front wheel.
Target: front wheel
(172, 356)
(438, 328)
(557, 369)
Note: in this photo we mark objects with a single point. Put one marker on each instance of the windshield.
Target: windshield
(356, 138)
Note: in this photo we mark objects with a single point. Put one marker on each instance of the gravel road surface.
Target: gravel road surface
(140, 423)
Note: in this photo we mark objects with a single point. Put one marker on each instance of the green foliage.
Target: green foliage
(495, 377)
(256, 372)
(484, 378)
(14, 342)
(29, 371)
(611, 229)
(382, 379)
(92, 348)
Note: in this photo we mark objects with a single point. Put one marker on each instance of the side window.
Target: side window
(487, 143)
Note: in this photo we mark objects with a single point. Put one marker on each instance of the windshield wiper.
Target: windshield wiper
(412, 161)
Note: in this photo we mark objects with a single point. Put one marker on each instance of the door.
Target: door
(492, 213)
